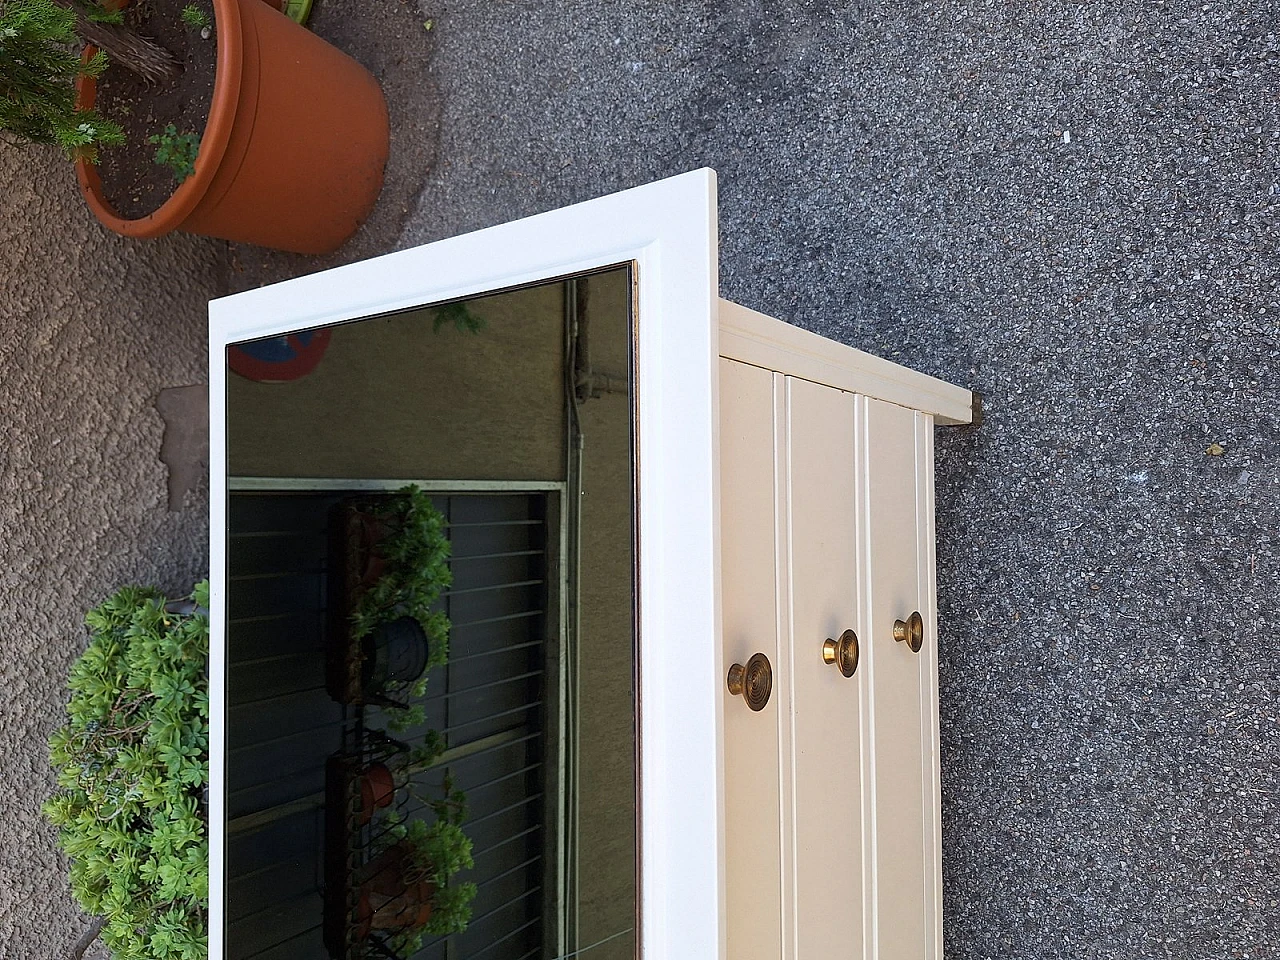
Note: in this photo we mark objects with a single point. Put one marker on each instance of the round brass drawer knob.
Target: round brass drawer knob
(843, 652)
(754, 682)
(910, 631)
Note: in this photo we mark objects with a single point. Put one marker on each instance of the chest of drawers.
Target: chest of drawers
(827, 570)
(752, 772)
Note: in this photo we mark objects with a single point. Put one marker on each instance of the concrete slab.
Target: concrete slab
(92, 329)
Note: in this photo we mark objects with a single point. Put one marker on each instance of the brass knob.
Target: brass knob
(910, 631)
(754, 682)
(843, 652)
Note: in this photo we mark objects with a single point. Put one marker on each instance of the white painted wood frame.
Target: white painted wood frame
(763, 341)
(668, 231)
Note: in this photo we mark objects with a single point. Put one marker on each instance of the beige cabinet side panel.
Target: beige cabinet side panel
(929, 704)
(901, 686)
(752, 792)
(826, 739)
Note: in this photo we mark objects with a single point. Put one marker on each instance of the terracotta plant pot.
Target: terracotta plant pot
(355, 534)
(388, 898)
(370, 532)
(377, 789)
(293, 152)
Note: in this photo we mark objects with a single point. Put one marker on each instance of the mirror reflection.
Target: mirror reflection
(431, 733)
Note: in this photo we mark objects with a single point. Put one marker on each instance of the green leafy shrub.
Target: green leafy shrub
(39, 65)
(133, 762)
(177, 151)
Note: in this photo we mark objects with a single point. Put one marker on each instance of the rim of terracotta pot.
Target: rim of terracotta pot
(213, 141)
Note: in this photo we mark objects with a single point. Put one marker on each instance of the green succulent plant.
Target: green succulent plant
(133, 763)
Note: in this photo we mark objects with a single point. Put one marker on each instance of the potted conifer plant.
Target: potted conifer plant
(185, 115)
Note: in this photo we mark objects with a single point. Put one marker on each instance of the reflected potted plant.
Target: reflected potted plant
(377, 790)
(396, 653)
(395, 895)
(409, 890)
(380, 781)
(389, 567)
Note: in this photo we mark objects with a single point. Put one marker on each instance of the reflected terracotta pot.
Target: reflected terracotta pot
(293, 151)
(377, 789)
(388, 900)
(370, 532)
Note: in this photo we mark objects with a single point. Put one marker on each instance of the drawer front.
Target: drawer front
(898, 510)
(752, 792)
(826, 733)
(831, 791)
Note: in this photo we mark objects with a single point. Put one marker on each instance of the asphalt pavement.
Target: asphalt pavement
(1073, 210)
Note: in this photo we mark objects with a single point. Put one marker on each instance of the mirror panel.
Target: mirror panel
(431, 641)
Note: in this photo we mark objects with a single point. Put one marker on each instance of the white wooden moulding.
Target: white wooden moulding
(764, 341)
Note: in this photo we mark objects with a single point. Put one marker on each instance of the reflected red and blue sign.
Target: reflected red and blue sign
(279, 359)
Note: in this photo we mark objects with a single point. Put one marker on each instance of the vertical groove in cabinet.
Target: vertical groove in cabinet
(791, 844)
(786, 753)
(826, 736)
(866, 669)
(750, 604)
(929, 694)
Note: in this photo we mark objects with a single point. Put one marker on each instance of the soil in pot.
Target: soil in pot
(395, 654)
(132, 182)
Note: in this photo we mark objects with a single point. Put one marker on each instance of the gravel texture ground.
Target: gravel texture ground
(1071, 208)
